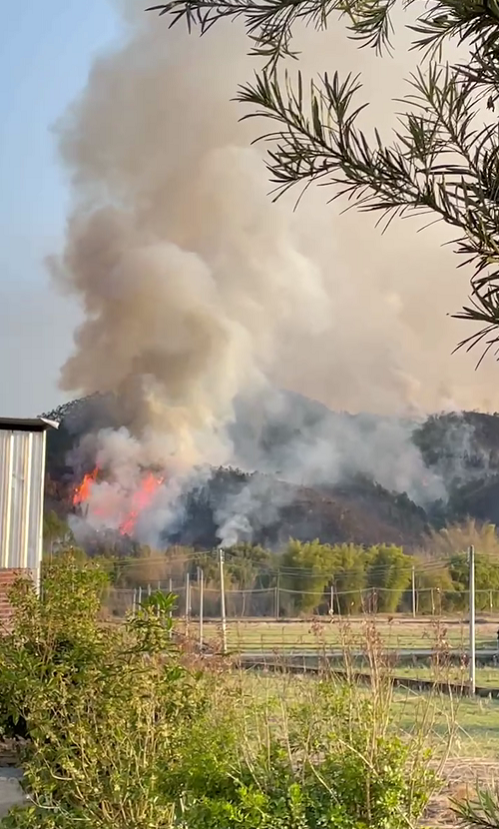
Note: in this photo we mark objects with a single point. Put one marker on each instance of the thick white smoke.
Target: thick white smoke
(198, 290)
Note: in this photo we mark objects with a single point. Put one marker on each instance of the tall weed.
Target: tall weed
(125, 734)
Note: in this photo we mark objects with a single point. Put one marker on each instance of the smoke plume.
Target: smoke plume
(198, 291)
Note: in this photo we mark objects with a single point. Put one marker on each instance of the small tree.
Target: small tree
(349, 563)
(388, 574)
(435, 589)
(307, 569)
(486, 580)
(457, 538)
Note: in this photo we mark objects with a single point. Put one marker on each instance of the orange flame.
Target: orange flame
(140, 500)
(82, 492)
(136, 501)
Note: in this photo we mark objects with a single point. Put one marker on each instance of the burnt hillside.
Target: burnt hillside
(460, 445)
(462, 449)
(360, 512)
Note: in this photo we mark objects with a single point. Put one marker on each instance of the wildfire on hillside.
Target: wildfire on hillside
(132, 503)
(83, 490)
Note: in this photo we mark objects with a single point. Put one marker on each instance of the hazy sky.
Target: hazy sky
(46, 49)
(391, 349)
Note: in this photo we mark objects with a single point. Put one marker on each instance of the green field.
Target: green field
(473, 722)
(455, 674)
(399, 633)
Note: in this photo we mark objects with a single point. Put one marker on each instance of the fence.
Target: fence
(280, 603)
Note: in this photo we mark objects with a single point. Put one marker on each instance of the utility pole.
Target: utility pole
(222, 602)
(201, 606)
(277, 597)
(413, 593)
(170, 593)
(187, 601)
(471, 560)
(331, 599)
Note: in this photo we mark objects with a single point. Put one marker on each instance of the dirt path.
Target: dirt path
(461, 775)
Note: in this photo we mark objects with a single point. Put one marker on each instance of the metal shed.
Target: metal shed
(22, 475)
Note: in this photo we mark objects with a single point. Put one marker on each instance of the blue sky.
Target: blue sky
(46, 50)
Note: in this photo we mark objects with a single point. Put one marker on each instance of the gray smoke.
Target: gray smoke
(307, 444)
(240, 517)
(198, 291)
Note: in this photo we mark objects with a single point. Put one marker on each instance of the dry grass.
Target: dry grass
(471, 758)
(474, 754)
(461, 777)
(397, 632)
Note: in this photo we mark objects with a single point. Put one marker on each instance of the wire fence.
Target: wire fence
(271, 620)
(284, 603)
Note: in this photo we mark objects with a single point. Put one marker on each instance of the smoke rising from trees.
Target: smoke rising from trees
(198, 291)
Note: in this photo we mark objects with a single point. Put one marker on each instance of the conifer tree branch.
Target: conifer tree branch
(443, 158)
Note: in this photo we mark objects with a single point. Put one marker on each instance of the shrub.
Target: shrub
(330, 761)
(124, 735)
(104, 708)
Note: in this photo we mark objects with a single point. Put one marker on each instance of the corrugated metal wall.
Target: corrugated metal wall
(22, 473)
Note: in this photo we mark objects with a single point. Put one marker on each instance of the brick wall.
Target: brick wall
(7, 579)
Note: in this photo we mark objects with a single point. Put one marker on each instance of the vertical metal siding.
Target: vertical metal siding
(22, 472)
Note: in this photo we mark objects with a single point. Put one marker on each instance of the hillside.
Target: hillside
(460, 445)
(287, 494)
(360, 512)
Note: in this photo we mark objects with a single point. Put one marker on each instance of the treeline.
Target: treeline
(305, 578)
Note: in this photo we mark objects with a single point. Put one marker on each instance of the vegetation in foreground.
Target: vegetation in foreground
(127, 730)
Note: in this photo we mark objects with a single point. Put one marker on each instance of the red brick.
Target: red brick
(7, 578)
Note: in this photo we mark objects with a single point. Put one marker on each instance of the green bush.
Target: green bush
(388, 574)
(331, 761)
(124, 736)
(104, 707)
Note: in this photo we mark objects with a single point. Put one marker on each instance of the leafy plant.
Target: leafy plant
(124, 734)
(479, 813)
(307, 569)
(327, 760)
(104, 707)
(349, 578)
(389, 569)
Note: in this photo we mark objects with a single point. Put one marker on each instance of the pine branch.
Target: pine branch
(269, 24)
(444, 155)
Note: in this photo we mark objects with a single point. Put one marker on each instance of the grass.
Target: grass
(397, 633)
(475, 722)
(453, 673)
(469, 759)
(472, 756)
(473, 759)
